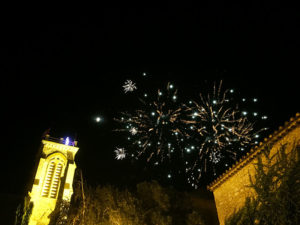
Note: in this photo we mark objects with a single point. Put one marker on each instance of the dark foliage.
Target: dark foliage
(277, 187)
(149, 203)
(23, 212)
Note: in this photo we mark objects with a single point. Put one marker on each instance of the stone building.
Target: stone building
(229, 189)
(53, 178)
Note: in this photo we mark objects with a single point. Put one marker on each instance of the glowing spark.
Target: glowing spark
(244, 113)
(120, 153)
(129, 86)
(133, 131)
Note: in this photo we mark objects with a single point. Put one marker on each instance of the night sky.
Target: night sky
(61, 70)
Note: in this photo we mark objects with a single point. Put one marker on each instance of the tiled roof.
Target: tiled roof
(278, 134)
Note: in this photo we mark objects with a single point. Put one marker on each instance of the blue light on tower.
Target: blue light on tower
(67, 141)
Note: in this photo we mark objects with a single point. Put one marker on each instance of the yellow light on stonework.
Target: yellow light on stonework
(57, 167)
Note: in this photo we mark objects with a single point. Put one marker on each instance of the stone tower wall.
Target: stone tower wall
(53, 180)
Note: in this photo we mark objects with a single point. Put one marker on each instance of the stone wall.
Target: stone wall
(230, 189)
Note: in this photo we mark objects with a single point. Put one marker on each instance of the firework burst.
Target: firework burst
(201, 137)
(120, 153)
(129, 86)
(219, 132)
(156, 130)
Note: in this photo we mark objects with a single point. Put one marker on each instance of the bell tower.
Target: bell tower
(53, 178)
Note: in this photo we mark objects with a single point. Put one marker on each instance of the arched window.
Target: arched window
(52, 178)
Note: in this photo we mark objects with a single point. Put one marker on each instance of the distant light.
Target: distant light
(243, 99)
(255, 114)
(160, 93)
(174, 97)
(214, 101)
(171, 86)
(255, 100)
(264, 117)
(98, 119)
(144, 74)
(190, 102)
(169, 176)
(145, 95)
(153, 113)
(231, 90)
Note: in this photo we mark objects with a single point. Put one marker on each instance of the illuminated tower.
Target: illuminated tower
(53, 178)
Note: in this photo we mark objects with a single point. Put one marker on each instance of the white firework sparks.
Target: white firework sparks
(129, 86)
(133, 131)
(155, 126)
(120, 153)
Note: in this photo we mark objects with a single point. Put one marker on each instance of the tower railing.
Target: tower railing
(60, 140)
